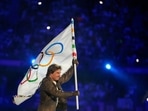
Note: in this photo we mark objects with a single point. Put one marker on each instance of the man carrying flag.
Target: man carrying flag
(52, 97)
(61, 51)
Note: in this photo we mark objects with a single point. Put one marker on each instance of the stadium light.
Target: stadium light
(108, 66)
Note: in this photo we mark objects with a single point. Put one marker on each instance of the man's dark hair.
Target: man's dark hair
(52, 68)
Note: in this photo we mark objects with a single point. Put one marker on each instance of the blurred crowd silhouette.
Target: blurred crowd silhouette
(114, 30)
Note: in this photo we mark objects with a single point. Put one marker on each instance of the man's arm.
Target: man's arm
(51, 89)
(66, 76)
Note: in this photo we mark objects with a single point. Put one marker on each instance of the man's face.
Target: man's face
(56, 75)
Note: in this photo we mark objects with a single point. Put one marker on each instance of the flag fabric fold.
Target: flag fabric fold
(59, 51)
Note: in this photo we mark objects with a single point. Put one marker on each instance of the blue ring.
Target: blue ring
(46, 51)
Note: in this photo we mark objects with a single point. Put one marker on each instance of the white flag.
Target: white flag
(58, 51)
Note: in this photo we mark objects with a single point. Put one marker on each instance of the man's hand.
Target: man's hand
(76, 93)
(75, 61)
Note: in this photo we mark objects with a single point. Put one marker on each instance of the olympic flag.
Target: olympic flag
(61, 50)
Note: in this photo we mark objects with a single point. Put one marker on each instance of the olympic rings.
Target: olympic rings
(28, 75)
(43, 65)
(36, 66)
(58, 43)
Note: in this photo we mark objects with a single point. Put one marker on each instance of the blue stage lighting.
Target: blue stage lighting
(32, 61)
(108, 66)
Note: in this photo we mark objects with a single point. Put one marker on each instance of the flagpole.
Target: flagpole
(74, 57)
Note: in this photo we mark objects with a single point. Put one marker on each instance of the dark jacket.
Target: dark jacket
(49, 93)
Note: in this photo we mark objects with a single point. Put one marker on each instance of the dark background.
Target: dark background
(114, 32)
